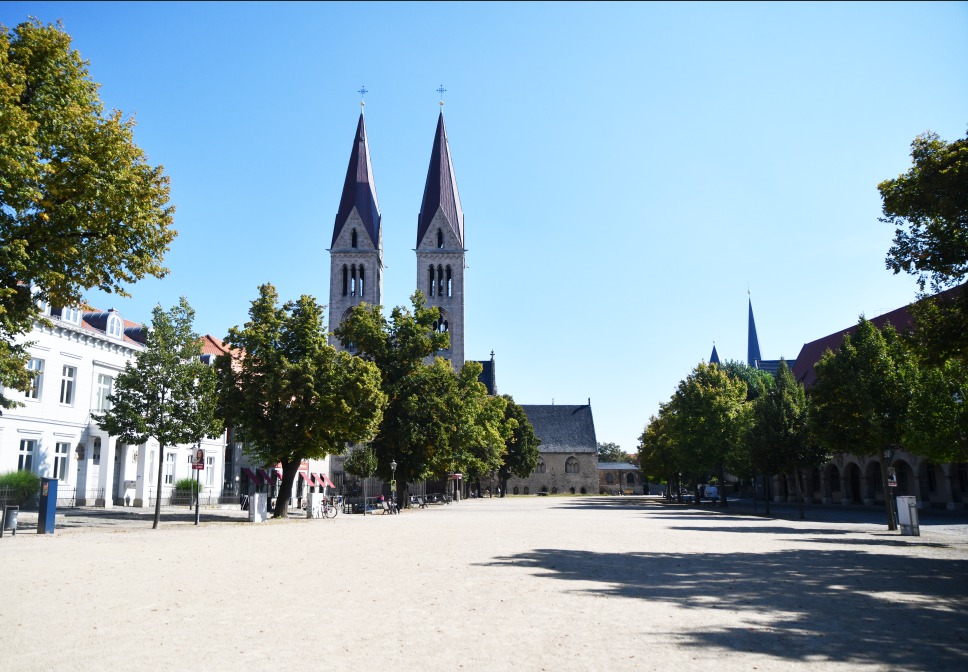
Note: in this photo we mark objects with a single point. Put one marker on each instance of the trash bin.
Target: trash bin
(907, 516)
(9, 521)
(48, 506)
(257, 508)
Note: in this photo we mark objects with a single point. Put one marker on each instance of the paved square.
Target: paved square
(524, 583)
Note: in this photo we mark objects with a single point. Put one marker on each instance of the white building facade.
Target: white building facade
(77, 357)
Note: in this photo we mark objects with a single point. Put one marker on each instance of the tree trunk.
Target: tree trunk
(796, 480)
(888, 504)
(722, 486)
(161, 475)
(289, 472)
(766, 492)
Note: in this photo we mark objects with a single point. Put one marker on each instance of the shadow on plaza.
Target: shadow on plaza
(836, 605)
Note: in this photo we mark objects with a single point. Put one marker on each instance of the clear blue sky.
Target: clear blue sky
(627, 170)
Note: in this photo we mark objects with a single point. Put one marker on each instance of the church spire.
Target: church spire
(440, 190)
(359, 190)
(714, 357)
(753, 345)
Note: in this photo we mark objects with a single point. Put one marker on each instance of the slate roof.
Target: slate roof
(488, 377)
(810, 353)
(616, 466)
(359, 189)
(440, 190)
(563, 429)
(753, 345)
(714, 357)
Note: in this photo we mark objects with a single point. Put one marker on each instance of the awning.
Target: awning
(455, 477)
(323, 479)
(252, 476)
(306, 476)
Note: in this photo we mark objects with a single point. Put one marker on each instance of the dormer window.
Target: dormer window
(115, 326)
(70, 315)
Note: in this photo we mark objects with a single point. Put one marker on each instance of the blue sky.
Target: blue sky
(627, 171)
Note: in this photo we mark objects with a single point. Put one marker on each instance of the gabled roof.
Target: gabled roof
(563, 429)
(753, 345)
(359, 189)
(213, 346)
(440, 190)
(899, 318)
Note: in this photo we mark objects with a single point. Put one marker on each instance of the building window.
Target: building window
(102, 402)
(515, 491)
(67, 385)
(35, 366)
(526, 490)
(541, 468)
(353, 280)
(60, 460)
(571, 466)
(440, 280)
(170, 468)
(25, 460)
(209, 470)
(362, 280)
(346, 280)
(610, 478)
(630, 479)
(115, 326)
(440, 239)
(430, 278)
(96, 451)
(450, 282)
(353, 238)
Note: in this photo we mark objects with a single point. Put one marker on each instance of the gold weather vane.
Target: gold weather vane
(441, 90)
(362, 93)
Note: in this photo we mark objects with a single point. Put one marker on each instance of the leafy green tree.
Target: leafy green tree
(82, 208)
(928, 205)
(757, 380)
(778, 436)
(937, 425)
(659, 457)
(414, 421)
(709, 421)
(292, 395)
(860, 399)
(521, 454)
(167, 393)
(361, 462)
(612, 452)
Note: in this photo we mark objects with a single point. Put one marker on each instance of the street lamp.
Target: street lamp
(393, 480)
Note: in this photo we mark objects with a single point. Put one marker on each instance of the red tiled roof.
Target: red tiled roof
(213, 346)
(811, 352)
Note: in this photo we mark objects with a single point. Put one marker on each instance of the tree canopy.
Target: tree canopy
(521, 447)
(293, 396)
(167, 393)
(81, 206)
(612, 452)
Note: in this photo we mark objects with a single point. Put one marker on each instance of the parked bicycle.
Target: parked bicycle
(332, 505)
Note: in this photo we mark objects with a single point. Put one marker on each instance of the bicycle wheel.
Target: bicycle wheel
(331, 510)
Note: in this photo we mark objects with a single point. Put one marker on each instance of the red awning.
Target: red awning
(253, 476)
(307, 477)
(323, 479)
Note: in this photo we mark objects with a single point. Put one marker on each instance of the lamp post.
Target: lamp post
(887, 458)
(393, 480)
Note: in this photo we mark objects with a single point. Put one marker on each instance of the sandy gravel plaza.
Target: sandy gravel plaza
(523, 583)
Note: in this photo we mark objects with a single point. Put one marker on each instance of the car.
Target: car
(710, 492)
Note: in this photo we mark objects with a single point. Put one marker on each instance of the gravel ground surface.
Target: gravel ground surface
(524, 583)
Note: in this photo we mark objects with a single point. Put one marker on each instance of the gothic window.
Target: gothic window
(353, 280)
(571, 466)
(527, 490)
(440, 239)
(515, 491)
(440, 281)
(361, 280)
(609, 478)
(346, 280)
(430, 278)
(541, 468)
(630, 479)
(353, 238)
(450, 282)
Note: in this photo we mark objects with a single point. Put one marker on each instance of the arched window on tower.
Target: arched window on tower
(430, 281)
(346, 280)
(440, 281)
(440, 239)
(353, 280)
(353, 238)
(450, 282)
(362, 281)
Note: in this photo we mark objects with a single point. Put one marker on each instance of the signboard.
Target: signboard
(199, 461)
(891, 477)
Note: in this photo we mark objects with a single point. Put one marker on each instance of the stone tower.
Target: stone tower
(440, 246)
(356, 253)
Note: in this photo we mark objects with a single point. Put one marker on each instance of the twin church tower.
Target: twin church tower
(356, 253)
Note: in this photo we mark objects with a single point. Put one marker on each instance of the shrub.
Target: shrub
(187, 485)
(24, 485)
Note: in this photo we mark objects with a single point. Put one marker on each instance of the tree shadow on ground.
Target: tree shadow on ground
(846, 606)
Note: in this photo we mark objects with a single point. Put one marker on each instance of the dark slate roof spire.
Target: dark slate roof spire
(359, 189)
(714, 357)
(440, 190)
(753, 346)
